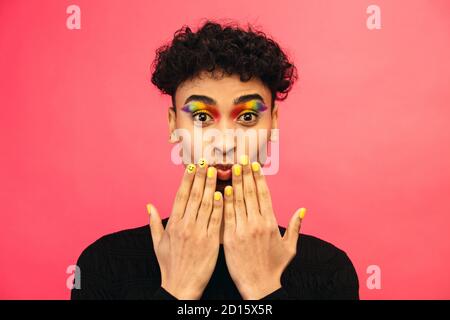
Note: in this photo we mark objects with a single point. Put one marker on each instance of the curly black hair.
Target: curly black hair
(227, 48)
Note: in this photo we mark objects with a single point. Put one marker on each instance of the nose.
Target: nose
(225, 147)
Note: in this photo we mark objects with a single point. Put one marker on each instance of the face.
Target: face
(229, 118)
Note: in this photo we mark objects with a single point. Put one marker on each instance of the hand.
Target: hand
(188, 248)
(255, 252)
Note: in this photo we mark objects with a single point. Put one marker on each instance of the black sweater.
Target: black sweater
(123, 265)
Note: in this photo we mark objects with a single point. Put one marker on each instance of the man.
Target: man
(222, 240)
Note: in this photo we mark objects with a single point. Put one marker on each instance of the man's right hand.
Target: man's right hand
(188, 248)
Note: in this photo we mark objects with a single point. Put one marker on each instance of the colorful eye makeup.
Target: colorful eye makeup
(253, 105)
(197, 106)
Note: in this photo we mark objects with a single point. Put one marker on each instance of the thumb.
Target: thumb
(293, 229)
(156, 226)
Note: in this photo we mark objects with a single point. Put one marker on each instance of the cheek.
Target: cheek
(186, 143)
(256, 143)
(263, 129)
(184, 120)
(265, 122)
(194, 146)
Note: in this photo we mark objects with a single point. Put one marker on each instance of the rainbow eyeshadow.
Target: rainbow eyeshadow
(251, 105)
(196, 106)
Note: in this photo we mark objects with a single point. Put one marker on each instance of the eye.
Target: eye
(248, 118)
(202, 118)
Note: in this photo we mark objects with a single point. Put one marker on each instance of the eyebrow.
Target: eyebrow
(248, 97)
(211, 101)
(204, 99)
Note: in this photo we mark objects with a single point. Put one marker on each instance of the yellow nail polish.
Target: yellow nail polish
(149, 208)
(228, 191)
(190, 168)
(244, 159)
(301, 213)
(202, 163)
(210, 172)
(237, 170)
(255, 166)
(217, 195)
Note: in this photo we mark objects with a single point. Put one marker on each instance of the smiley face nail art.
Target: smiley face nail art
(202, 163)
(190, 168)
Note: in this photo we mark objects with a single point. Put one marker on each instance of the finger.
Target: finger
(156, 226)
(238, 195)
(292, 232)
(196, 194)
(182, 196)
(206, 205)
(216, 217)
(263, 192)
(229, 214)
(250, 196)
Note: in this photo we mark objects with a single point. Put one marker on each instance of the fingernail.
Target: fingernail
(149, 208)
(190, 168)
(202, 163)
(244, 159)
(301, 213)
(237, 170)
(228, 191)
(255, 166)
(210, 172)
(217, 195)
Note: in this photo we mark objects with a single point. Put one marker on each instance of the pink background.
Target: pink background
(365, 133)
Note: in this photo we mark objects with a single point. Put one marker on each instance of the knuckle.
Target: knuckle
(183, 233)
(170, 227)
(196, 194)
(206, 205)
(229, 214)
(181, 196)
(249, 192)
(268, 226)
(239, 202)
(201, 173)
(274, 231)
(214, 220)
(264, 193)
(256, 231)
(229, 242)
(240, 236)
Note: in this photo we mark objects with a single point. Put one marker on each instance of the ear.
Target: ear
(274, 137)
(172, 122)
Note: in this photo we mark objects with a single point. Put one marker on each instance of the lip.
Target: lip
(223, 171)
(223, 166)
